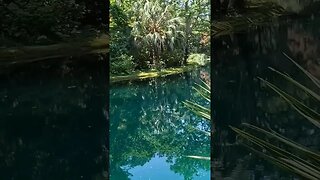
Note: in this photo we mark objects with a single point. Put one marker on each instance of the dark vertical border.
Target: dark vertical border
(105, 19)
(212, 93)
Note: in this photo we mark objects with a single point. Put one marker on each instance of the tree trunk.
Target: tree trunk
(153, 58)
(26, 54)
(187, 32)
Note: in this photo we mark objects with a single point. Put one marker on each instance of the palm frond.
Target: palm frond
(204, 91)
(296, 83)
(299, 160)
(199, 157)
(204, 112)
(305, 111)
(313, 79)
(198, 109)
(284, 152)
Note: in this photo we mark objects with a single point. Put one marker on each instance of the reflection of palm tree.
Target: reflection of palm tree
(140, 139)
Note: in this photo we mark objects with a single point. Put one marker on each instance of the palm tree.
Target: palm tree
(156, 29)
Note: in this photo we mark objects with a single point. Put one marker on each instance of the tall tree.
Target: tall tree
(156, 29)
(187, 30)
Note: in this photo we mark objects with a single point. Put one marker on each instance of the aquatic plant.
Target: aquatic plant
(277, 149)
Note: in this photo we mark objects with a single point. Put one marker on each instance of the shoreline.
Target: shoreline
(154, 73)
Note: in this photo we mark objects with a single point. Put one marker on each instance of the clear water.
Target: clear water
(53, 116)
(151, 132)
(239, 96)
(52, 120)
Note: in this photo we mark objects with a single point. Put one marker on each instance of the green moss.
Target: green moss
(152, 74)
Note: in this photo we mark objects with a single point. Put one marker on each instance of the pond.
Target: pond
(152, 132)
(240, 97)
(52, 120)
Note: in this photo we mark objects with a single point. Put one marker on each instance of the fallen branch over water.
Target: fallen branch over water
(9, 56)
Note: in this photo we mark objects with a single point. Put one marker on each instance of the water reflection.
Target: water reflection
(151, 131)
(240, 97)
(303, 43)
(52, 124)
(295, 5)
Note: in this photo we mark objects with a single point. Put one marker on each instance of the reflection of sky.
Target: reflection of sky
(158, 169)
(153, 115)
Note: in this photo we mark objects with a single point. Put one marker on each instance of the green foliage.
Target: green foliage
(169, 58)
(158, 33)
(46, 22)
(118, 17)
(200, 59)
(284, 152)
(122, 64)
(156, 29)
(53, 18)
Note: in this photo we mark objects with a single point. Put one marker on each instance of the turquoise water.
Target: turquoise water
(151, 132)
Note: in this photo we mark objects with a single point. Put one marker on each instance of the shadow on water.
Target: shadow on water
(151, 132)
(52, 123)
(240, 97)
